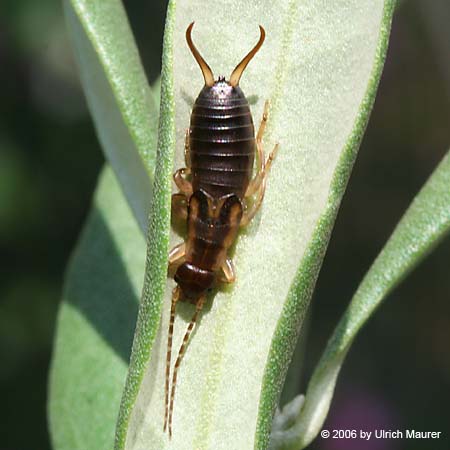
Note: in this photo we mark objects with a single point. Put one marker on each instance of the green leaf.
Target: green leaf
(423, 226)
(98, 313)
(319, 67)
(96, 323)
(158, 239)
(118, 95)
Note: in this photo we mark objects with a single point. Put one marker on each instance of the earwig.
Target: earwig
(215, 195)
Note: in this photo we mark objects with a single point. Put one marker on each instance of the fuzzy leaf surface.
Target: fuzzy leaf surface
(119, 98)
(423, 226)
(102, 288)
(96, 323)
(319, 67)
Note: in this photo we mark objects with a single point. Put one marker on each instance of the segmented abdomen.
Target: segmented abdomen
(221, 141)
(213, 224)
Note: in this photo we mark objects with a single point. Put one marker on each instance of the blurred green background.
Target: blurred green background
(397, 374)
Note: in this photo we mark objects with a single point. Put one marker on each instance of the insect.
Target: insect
(217, 194)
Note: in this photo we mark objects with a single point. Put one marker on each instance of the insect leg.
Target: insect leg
(228, 274)
(256, 181)
(187, 153)
(175, 297)
(176, 256)
(262, 125)
(183, 185)
(250, 213)
(198, 308)
(179, 206)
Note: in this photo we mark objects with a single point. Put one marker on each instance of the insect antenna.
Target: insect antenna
(181, 352)
(206, 70)
(237, 72)
(175, 298)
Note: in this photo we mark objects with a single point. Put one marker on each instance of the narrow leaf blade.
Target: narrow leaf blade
(319, 67)
(157, 240)
(95, 324)
(423, 226)
(118, 95)
(98, 312)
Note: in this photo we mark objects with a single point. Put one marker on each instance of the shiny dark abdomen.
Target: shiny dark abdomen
(222, 145)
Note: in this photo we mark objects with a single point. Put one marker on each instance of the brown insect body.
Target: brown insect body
(213, 224)
(220, 155)
(221, 141)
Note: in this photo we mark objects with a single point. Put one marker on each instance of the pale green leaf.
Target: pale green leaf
(98, 313)
(422, 227)
(95, 324)
(319, 67)
(118, 95)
